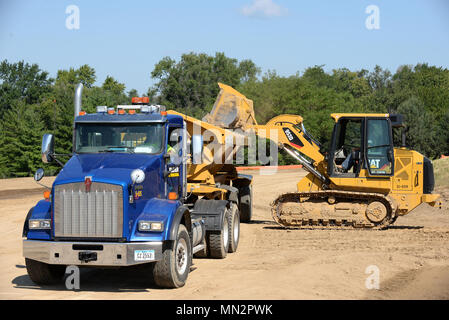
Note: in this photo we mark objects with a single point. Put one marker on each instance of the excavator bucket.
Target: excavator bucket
(231, 110)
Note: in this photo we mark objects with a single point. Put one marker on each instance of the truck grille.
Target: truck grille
(96, 214)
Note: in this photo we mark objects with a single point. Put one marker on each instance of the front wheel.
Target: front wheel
(172, 270)
(44, 273)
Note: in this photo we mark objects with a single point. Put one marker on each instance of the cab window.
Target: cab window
(379, 151)
(119, 137)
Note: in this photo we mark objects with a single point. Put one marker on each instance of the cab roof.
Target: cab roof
(128, 118)
(337, 116)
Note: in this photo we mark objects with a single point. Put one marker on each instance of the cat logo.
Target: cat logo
(374, 163)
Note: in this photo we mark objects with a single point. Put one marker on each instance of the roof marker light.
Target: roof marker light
(82, 113)
(132, 111)
(121, 111)
(111, 111)
(140, 100)
(145, 109)
(102, 109)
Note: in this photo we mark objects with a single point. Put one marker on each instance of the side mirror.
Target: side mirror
(47, 149)
(39, 174)
(197, 149)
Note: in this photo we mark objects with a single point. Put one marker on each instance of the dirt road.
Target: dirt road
(412, 258)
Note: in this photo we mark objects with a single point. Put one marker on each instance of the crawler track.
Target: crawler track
(333, 209)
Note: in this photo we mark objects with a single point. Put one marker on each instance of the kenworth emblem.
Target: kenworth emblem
(87, 183)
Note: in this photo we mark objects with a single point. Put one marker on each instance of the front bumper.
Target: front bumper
(106, 253)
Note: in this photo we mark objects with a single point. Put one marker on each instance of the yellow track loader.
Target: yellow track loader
(361, 181)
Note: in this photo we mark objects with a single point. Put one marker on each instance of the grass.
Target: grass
(441, 171)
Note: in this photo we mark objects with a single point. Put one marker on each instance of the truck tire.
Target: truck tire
(246, 203)
(219, 241)
(43, 273)
(172, 270)
(234, 228)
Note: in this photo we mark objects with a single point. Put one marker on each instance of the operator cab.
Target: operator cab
(362, 142)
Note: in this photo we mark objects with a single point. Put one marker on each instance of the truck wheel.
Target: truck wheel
(172, 270)
(219, 242)
(43, 273)
(246, 203)
(234, 228)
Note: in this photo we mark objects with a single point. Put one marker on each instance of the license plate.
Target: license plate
(143, 255)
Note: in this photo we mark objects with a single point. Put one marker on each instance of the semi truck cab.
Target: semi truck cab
(122, 200)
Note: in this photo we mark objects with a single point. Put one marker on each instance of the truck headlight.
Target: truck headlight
(151, 226)
(39, 224)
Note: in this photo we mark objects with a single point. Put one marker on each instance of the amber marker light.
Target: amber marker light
(47, 195)
(140, 100)
(82, 113)
(163, 113)
(172, 196)
(132, 111)
(121, 111)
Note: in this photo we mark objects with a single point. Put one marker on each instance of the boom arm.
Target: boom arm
(291, 132)
(232, 110)
(294, 139)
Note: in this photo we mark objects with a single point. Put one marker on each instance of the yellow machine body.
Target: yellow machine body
(386, 181)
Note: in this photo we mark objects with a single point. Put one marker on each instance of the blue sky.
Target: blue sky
(125, 39)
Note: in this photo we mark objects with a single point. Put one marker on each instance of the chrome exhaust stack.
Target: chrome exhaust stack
(77, 100)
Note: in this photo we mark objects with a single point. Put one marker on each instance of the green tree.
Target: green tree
(190, 85)
(422, 130)
(21, 81)
(20, 141)
(84, 74)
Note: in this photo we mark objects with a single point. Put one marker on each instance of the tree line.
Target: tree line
(33, 103)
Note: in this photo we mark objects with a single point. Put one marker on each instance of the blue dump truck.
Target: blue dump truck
(139, 188)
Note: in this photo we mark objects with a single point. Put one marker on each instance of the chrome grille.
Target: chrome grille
(96, 214)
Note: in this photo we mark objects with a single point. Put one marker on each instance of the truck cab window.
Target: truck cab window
(119, 137)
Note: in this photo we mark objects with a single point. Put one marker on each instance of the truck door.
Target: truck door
(175, 168)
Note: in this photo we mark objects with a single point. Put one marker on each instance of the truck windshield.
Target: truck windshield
(119, 137)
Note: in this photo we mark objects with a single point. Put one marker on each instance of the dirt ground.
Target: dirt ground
(412, 258)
